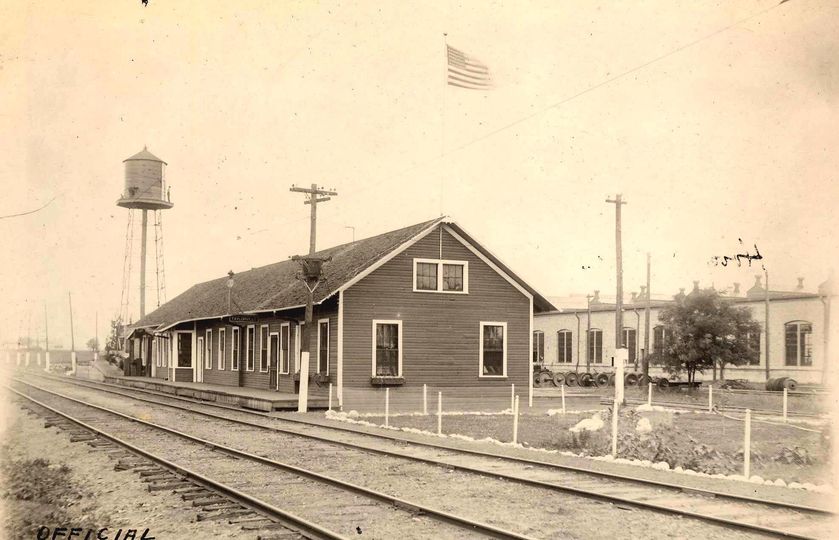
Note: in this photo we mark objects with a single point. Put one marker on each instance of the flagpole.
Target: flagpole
(443, 117)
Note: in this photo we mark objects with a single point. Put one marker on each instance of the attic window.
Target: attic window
(434, 275)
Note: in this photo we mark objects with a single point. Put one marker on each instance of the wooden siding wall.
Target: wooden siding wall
(441, 332)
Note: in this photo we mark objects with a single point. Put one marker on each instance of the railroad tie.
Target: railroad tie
(196, 494)
(213, 499)
(168, 485)
(223, 515)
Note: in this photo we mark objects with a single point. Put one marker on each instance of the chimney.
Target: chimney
(800, 284)
(634, 297)
(736, 290)
(695, 285)
(596, 299)
(758, 281)
(643, 295)
(757, 289)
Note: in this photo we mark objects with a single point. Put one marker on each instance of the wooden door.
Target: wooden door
(273, 359)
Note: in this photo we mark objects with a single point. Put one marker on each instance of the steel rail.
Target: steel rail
(475, 526)
(438, 446)
(306, 527)
(728, 408)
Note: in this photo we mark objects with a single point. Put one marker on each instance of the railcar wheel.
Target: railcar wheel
(571, 378)
(602, 379)
(544, 377)
(585, 379)
(663, 382)
(630, 379)
(643, 380)
(559, 379)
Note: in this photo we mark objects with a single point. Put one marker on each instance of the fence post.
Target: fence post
(710, 398)
(747, 444)
(615, 428)
(425, 399)
(513, 398)
(47, 361)
(650, 394)
(439, 413)
(330, 396)
(785, 404)
(516, 421)
(387, 405)
(562, 389)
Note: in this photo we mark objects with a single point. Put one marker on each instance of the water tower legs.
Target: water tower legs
(143, 264)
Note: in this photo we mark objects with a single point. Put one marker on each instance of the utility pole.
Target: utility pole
(144, 233)
(46, 339)
(646, 366)
(766, 320)
(96, 337)
(311, 275)
(618, 202)
(72, 337)
(588, 333)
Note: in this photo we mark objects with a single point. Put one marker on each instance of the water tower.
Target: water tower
(145, 190)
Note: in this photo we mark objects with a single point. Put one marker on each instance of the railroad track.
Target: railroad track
(724, 408)
(332, 508)
(747, 513)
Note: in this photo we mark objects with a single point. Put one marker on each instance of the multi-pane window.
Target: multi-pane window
(452, 277)
(563, 346)
(799, 344)
(630, 341)
(208, 350)
(184, 349)
(493, 350)
(387, 349)
(595, 345)
(284, 348)
(753, 342)
(234, 353)
(263, 347)
(538, 347)
(222, 351)
(441, 276)
(250, 335)
(200, 351)
(426, 276)
(323, 346)
(274, 351)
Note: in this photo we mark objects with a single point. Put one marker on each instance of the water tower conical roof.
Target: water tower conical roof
(144, 154)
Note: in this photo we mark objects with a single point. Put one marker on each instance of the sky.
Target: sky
(716, 121)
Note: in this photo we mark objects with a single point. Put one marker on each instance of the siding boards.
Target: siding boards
(441, 332)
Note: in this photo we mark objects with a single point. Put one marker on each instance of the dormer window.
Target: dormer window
(433, 275)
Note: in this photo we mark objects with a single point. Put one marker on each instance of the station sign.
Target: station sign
(241, 319)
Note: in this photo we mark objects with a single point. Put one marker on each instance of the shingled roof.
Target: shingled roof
(276, 287)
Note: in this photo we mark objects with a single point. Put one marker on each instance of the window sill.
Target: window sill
(387, 381)
(434, 291)
(492, 376)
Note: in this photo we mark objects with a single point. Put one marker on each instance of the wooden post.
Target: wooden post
(330, 396)
(650, 394)
(516, 420)
(785, 404)
(387, 405)
(424, 394)
(439, 413)
(710, 398)
(513, 398)
(562, 389)
(747, 444)
(615, 428)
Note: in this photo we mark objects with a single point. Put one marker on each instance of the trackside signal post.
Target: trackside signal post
(311, 267)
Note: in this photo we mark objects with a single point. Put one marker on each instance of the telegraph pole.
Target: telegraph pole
(46, 339)
(72, 336)
(311, 266)
(588, 333)
(618, 202)
(766, 320)
(646, 366)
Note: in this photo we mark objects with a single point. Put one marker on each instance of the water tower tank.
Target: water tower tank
(145, 186)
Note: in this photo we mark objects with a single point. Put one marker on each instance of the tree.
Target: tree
(705, 330)
(92, 344)
(113, 342)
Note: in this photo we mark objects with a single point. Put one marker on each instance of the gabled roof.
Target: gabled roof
(276, 287)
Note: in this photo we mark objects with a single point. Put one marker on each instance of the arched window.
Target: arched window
(563, 346)
(799, 345)
(538, 347)
(629, 341)
(595, 345)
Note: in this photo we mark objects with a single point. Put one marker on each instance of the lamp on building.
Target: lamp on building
(229, 288)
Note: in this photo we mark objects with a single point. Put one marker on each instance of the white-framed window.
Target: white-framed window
(274, 351)
(234, 352)
(538, 347)
(200, 351)
(798, 343)
(564, 352)
(208, 346)
(629, 341)
(493, 349)
(284, 348)
(323, 346)
(387, 348)
(263, 348)
(183, 350)
(595, 345)
(298, 349)
(443, 276)
(250, 336)
(222, 343)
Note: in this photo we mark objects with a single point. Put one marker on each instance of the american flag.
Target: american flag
(467, 72)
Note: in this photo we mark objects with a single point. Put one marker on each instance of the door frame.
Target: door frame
(198, 360)
(175, 357)
(277, 366)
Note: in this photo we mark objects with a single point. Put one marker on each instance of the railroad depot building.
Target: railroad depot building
(425, 304)
(798, 342)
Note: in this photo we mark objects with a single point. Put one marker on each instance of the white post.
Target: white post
(650, 394)
(425, 399)
(18, 358)
(621, 356)
(516, 421)
(562, 389)
(710, 398)
(303, 397)
(73, 363)
(387, 405)
(513, 398)
(785, 404)
(38, 358)
(47, 361)
(615, 428)
(439, 413)
(27, 359)
(330, 396)
(747, 444)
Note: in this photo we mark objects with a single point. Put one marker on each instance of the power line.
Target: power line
(30, 211)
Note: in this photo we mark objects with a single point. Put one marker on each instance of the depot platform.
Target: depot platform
(247, 398)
